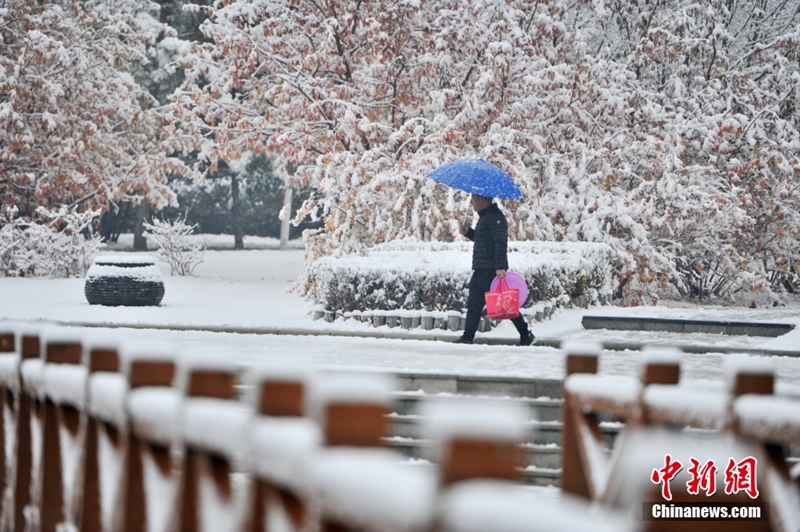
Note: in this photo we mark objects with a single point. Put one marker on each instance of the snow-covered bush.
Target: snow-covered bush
(175, 247)
(53, 244)
(433, 276)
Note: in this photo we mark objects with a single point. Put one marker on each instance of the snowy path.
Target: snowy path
(370, 354)
(253, 289)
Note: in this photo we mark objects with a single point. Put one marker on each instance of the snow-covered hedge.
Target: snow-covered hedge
(433, 276)
(50, 245)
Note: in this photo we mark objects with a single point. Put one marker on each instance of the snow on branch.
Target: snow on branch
(55, 243)
(182, 253)
(674, 141)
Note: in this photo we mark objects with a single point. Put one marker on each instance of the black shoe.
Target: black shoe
(463, 340)
(528, 339)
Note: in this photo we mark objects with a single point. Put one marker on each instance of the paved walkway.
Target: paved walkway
(686, 341)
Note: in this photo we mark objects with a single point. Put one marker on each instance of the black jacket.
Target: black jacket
(490, 235)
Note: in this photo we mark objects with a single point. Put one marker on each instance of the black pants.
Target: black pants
(480, 283)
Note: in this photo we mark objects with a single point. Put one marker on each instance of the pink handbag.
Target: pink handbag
(504, 303)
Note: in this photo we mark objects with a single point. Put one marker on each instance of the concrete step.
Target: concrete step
(541, 409)
(539, 432)
(436, 383)
(536, 476)
(539, 456)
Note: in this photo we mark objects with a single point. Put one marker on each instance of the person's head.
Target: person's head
(480, 202)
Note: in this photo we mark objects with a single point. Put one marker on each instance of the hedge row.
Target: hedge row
(433, 276)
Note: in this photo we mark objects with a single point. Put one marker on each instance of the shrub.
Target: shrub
(433, 276)
(54, 243)
(174, 245)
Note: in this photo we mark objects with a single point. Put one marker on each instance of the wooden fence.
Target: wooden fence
(99, 437)
(723, 422)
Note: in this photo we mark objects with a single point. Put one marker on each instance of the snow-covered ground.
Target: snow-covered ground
(254, 289)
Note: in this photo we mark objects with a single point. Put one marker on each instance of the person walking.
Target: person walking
(489, 259)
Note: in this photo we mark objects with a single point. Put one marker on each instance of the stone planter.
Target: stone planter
(133, 281)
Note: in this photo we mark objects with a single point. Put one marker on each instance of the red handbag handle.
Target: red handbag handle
(502, 286)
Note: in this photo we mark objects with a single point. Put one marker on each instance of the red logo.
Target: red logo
(704, 477)
(739, 476)
(664, 475)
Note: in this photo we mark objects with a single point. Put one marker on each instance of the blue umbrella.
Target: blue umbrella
(476, 176)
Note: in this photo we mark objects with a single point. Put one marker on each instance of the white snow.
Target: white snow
(620, 389)
(127, 259)
(696, 405)
(483, 505)
(110, 472)
(747, 365)
(70, 463)
(656, 354)
(599, 463)
(106, 400)
(32, 372)
(581, 347)
(202, 359)
(498, 421)
(9, 371)
(250, 291)
(373, 489)
(785, 499)
(348, 388)
(216, 425)
(145, 350)
(160, 492)
(281, 449)
(218, 512)
(154, 413)
(66, 384)
(768, 414)
(140, 273)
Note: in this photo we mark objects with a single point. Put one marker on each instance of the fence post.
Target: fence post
(8, 392)
(53, 498)
(281, 396)
(133, 512)
(581, 358)
(29, 351)
(662, 367)
(203, 383)
(101, 358)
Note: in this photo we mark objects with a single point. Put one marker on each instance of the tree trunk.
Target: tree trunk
(236, 214)
(142, 215)
(287, 216)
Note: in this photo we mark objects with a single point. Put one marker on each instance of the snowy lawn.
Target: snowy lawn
(253, 289)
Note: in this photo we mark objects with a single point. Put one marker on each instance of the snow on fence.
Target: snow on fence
(742, 420)
(424, 284)
(103, 438)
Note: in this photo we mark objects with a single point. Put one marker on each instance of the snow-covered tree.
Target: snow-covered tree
(677, 144)
(75, 126)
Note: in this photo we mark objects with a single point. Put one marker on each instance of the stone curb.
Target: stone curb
(553, 342)
(732, 328)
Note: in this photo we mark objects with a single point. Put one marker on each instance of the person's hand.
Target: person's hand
(463, 229)
(500, 274)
